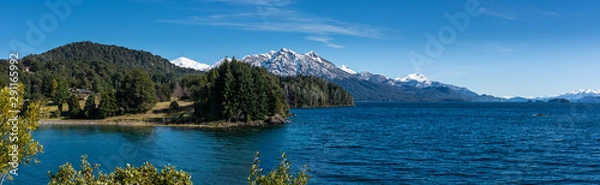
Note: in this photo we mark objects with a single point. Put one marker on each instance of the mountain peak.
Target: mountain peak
(421, 78)
(189, 63)
(286, 50)
(312, 53)
(585, 91)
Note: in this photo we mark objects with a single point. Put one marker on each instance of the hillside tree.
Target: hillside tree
(136, 93)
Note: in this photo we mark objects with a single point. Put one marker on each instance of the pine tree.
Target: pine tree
(90, 109)
(229, 100)
(136, 92)
(74, 107)
(108, 105)
(60, 92)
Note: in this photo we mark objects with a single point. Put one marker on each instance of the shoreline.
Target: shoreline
(207, 125)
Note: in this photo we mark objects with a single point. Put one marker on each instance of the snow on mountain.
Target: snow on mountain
(585, 92)
(571, 96)
(286, 62)
(416, 80)
(348, 70)
(581, 93)
(189, 63)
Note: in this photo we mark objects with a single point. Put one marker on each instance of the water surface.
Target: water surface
(372, 143)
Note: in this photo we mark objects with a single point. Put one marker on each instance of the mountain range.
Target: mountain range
(364, 86)
(367, 86)
(581, 95)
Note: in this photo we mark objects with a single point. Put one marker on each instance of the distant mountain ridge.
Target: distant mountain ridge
(364, 86)
(581, 95)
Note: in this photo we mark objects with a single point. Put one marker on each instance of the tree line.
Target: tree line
(130, 81)
(236, 91)
(309, 91)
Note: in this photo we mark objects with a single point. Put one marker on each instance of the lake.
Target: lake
(372, 143)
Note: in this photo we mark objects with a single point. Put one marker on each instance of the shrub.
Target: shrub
(279, 176)
(174, 105)
(145, 174)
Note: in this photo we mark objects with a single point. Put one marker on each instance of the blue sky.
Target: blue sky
(527, 48)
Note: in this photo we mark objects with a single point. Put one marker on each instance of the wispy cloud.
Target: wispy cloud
(324, 40)
(251, 2)
(503, 15)
(508, 12)
(288, 21)
(278, 16)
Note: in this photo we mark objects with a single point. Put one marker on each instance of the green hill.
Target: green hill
(101, 68)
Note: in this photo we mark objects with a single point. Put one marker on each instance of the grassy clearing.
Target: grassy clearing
(159, 111)
(160, 115)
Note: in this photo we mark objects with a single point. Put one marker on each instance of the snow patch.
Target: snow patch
(189, 63)
(348, 70)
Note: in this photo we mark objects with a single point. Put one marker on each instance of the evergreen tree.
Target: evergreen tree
(236, 91)
(89, 108)
(174, 105)
(136, 92)
(74, 107)
(230, 104)
(164, 92)
(108, 105)
(60, 93)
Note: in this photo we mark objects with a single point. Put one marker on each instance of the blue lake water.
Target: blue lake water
(372, 143)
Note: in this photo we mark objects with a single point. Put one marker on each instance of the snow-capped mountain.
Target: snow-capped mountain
(189, 63)
(581, 93)
(371, 87)
(416, 79)
(286, 62)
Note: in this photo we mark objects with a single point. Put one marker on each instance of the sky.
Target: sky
(501, 48)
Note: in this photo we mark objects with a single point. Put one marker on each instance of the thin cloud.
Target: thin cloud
(290, 22)
(514, 14)
(503, 15)
(277, 16)
(325, 40)
(250, 2)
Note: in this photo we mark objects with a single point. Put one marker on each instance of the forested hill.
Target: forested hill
(101, 68)
(97, 67)
(122, 56)
(309, 91)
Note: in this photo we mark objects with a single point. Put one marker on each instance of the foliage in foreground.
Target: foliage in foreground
(148, 174)
(279, 176)
(16, 141)
(145, 174)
